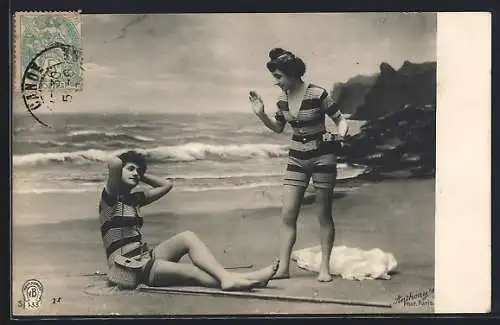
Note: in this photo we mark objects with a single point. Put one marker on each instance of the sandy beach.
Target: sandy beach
(396, 216)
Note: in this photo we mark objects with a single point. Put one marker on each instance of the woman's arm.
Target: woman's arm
(341, 123)
(258, 107)
(272, 123)
(330, 107)
(114, 176)
(160, 186)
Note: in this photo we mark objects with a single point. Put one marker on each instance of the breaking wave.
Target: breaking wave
(181, 153)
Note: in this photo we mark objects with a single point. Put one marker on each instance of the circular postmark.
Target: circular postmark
(54, 74)
(32, 294)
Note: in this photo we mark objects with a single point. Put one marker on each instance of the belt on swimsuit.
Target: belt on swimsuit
(332, 146)
(137, 251)
(307, 138)
(144, 275)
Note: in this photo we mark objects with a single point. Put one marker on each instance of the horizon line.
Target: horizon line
(128, 113)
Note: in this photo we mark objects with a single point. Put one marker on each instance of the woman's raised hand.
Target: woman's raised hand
(257, 103)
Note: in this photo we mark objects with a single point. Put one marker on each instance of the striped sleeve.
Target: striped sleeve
(281, 104)
(328, 105)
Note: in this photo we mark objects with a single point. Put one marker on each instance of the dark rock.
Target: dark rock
(402, 140)
(351, 94)
(413, 83)
(373, 96)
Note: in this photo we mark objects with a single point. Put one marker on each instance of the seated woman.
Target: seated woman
(121, 226)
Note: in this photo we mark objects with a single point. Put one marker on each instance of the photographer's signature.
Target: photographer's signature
(424, 297)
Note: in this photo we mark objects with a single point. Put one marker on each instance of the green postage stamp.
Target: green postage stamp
(47, 57)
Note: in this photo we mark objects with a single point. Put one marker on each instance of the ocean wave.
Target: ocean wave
(84, 156)
(84, 180)
(53, 190)
(222, 176)
(22, 129)
(108, 145)
(181, 153)
(142, 126)
(229, 187)
(181, 177)
(44, 143)
(92, 188)
(98, 135)
(91, 144)
(259, 130)
(201, 151)
(194, 137)
(345, 172)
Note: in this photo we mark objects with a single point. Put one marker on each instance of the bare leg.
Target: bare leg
(166, 273)
(262, 273)
(288, 231)
(204, 262)
(324, 199)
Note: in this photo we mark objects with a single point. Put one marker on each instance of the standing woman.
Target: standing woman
(311, 155)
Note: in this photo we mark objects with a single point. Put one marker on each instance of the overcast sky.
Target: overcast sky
(208, 62)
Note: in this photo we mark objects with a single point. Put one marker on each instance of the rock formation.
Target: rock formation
(404, 140)
(370, 97)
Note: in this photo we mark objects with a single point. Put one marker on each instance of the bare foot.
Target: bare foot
(260, 278)
(264, 274)
(324, 276)
(281, 274)
(238, 283)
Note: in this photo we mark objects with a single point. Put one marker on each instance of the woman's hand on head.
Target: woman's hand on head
(114, 161)
(257, 103)
(161, 186)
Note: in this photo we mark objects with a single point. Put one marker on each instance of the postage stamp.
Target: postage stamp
(47, 57)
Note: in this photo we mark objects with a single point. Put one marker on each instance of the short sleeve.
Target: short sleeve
(328, 105)
(280, 117)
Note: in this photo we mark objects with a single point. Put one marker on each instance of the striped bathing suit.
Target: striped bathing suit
(120, 226)
(309, 156)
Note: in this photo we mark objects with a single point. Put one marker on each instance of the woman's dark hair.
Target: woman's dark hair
(287, 62)
(136, 158)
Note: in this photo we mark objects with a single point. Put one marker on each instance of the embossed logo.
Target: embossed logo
(32, 294)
